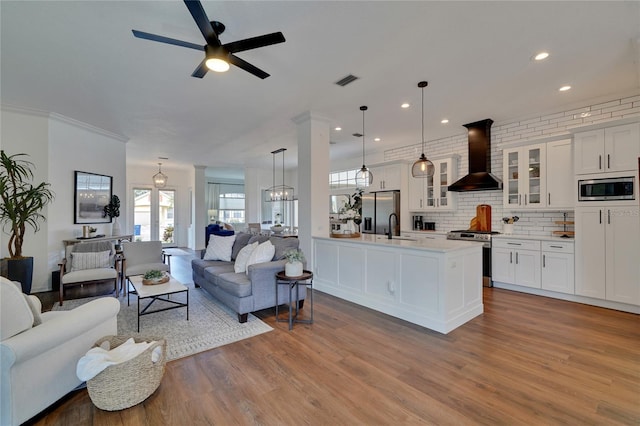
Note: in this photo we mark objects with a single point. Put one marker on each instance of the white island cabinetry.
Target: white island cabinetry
(433, 283)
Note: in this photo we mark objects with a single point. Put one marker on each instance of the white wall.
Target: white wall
(58, 146)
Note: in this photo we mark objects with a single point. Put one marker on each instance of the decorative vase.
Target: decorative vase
(293, 269)
(350, 227)
(115, 229)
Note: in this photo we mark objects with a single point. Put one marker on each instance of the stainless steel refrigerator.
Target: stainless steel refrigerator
(376, 209)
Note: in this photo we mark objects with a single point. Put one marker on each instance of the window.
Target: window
(343, 179)
(226, 203)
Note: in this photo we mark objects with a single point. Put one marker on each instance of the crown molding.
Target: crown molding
(62, 119)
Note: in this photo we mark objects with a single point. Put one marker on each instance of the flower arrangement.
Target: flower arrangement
(352, 209)
(294, 255)
(510, 220)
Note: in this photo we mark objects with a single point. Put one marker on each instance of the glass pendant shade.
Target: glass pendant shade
(160, 179)
(422, 168)
(364, 177)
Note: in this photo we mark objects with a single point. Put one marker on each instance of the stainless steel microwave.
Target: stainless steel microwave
(607, 189)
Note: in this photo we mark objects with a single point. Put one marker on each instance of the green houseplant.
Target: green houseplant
(22, 203)
(293, 267)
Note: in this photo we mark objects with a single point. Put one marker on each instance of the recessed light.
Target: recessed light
(338, 129)
(376, 139)
(444, 121)
(564, 88)
(405, 105)
(541, 56)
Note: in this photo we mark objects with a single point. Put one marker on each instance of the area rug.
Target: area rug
(210, 323)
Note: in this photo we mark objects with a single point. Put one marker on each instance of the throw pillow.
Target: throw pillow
(243, 257)
(219, 248)
(241, 242)
(263, 253)
(89, 260)
(35, 309)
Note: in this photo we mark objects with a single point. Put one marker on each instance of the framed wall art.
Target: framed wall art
(92, 193)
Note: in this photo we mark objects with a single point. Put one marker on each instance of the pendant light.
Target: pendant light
(280, 192)
(422, 168)
(160, 179)
(364, 177)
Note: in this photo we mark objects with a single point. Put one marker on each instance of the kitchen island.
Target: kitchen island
(433, 283)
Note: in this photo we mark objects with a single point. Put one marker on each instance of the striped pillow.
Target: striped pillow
(90, 260)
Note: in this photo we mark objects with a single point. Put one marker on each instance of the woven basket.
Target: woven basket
(124, 385)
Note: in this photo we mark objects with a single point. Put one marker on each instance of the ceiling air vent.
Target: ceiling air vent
(346, 80)
(358, 135)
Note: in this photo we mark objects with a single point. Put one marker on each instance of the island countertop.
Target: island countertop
(436, 245)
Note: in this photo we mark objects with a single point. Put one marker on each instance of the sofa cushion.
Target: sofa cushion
(199, 265)
(89, 275)
(219, 248)
(282, 245)
(242, 239)
(90, 260)
(259, 238)
(237, 285)
(212, 273)
(240, 264)
(263, 253)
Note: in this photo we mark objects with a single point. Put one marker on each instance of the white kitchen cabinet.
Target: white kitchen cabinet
(386, 178)
(381, 273)
(559, 175)
(608, 253)
(611, 149)
(557, 266)
(424, 235)
(516, 262)
(525, 177)
(431, 193)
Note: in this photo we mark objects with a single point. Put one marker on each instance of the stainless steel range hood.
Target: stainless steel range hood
(480, 177)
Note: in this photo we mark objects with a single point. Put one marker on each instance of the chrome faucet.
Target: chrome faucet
(390, 228)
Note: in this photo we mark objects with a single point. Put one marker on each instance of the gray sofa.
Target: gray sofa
(245, 292)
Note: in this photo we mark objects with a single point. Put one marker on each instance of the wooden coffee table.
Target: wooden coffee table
(158, 292)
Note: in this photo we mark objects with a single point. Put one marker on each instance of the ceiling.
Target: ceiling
(80, 59)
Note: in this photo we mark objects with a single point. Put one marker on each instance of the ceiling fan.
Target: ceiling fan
(218, 56)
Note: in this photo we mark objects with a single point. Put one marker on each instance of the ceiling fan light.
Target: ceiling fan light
(217, 65)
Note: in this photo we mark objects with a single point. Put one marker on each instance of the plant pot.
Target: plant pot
(507, 228)
(20, 270)
(115, 229)
(293, 269)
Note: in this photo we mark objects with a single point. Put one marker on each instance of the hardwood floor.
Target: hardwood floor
(526, 360)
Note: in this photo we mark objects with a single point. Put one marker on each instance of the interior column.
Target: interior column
(313, 180)
(200, 218)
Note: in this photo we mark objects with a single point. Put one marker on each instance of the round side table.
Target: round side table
(306, 280)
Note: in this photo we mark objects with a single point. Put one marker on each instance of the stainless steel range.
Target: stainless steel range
(483, 237)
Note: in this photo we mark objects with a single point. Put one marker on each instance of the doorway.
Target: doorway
(154, 215)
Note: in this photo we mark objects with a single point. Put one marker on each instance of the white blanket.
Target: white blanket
(97, 359)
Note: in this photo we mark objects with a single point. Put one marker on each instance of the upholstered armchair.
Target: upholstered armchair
(88, 263)
(39, 351)
(142, 256)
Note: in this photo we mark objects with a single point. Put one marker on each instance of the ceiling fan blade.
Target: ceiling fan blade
(201, 70)
(255, 42)
(199, 15)
(162, 39)
(241, 63)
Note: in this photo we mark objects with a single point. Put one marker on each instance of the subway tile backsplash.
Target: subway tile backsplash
(531, 222)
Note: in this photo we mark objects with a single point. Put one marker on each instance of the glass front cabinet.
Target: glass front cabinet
(524, 177)
(432, 193)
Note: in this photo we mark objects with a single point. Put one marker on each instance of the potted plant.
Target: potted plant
(293, 267)
(113, 211)
(21, 206)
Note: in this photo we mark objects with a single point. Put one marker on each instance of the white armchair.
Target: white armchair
(142, 256)
(39, 352)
